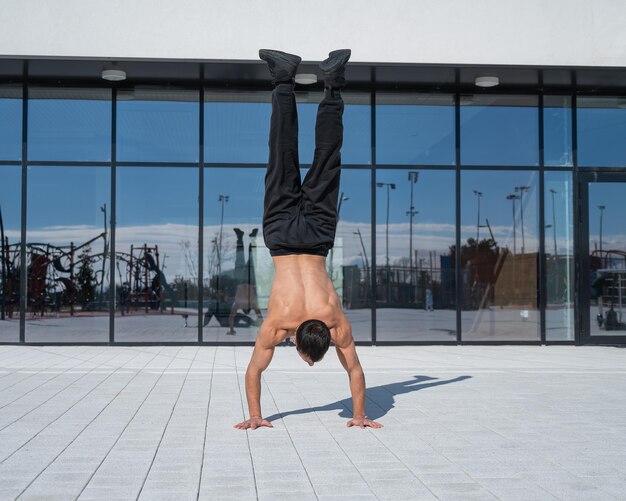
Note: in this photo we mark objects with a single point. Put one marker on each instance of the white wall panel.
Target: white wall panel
(532, 32)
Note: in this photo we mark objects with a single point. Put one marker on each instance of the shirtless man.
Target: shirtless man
(299, 223)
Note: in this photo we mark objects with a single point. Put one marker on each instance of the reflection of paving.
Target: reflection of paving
(394, 324)
(461, 422)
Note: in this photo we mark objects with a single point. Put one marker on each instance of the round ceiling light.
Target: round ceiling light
(487, 81)
(306, 78)
(114, 75)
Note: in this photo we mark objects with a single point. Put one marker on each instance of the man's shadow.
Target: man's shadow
(380, 399)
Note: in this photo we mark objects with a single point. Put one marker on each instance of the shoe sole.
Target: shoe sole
(270, 54)
(336, 59)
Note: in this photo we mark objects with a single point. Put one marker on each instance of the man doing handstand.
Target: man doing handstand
(299, 224)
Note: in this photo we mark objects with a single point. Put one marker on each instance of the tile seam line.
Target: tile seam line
(127, 424)
(206, 423)
(182, 386)
(86, 426)
(291, 440)
(243, 411)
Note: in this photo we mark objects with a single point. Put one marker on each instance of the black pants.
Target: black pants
(301, 217)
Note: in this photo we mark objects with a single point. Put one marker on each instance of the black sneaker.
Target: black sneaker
(282, 66)
(334, 68)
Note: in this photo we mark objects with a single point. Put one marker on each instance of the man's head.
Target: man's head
(312, 340)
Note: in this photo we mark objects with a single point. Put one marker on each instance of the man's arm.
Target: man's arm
(346, 352)
(261, 358)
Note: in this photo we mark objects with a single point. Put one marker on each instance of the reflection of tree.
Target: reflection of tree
(481, 262)
(85, 279)
(190, 258)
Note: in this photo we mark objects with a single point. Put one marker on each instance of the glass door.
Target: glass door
(602, 278)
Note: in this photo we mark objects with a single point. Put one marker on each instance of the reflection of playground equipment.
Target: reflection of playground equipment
(51, 281)
(609, 287)
(147, 284)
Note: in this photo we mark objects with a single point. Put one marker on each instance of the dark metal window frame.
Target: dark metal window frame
(373, 167)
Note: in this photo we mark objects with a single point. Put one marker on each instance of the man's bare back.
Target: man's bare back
(303, 290)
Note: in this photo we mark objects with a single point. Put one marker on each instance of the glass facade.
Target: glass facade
(157, 237)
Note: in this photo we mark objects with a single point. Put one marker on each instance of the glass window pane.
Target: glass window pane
(601, 125)
(157, 125)
(69, 124)
(236, 126)
(499, 130)
(67, 252)
(415, 129)
(414, 265)
(10, 122)
(157, 254)
(238, 269)
(559, 259)
(356, 148)
(10, 242)
(500, 244)
(557, 130)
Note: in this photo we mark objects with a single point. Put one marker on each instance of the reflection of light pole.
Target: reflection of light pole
(331, 268)
(413, 175)
(479, 195)
(513, 198)
(393, 187)
(106, 250)
(601, 207)
(521, 190)
(553, 192)
(4, 291)
(367, 264)
(222, 199)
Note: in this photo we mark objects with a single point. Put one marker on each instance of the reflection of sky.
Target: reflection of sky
(10, 196)
(499, 135)
(611, 196)
(10, 129)
(239, 132)
(415, 135)
(433, 198)
(557, 132)
(69, 130)
(157, 131)
(601, 134)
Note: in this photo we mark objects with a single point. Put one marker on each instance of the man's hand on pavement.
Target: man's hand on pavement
(253, 423)
(363, 422)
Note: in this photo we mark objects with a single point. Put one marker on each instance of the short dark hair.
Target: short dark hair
(313, 339)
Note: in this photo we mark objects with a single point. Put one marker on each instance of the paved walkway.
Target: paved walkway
(461, 423)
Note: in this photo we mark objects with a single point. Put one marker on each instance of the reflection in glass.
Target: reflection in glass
(499, 130)
(415, 232)
(348, 262)
(69, 124)
(557, 130)
(236, 126)
(10, 122)
(10, 236)
(499, 252)
(67, 254)
(607, 259)
(156, 252)
(356, 147)
(157, 125)
(415, 129)
(601, 126)
(238, 269)
(559, 256)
